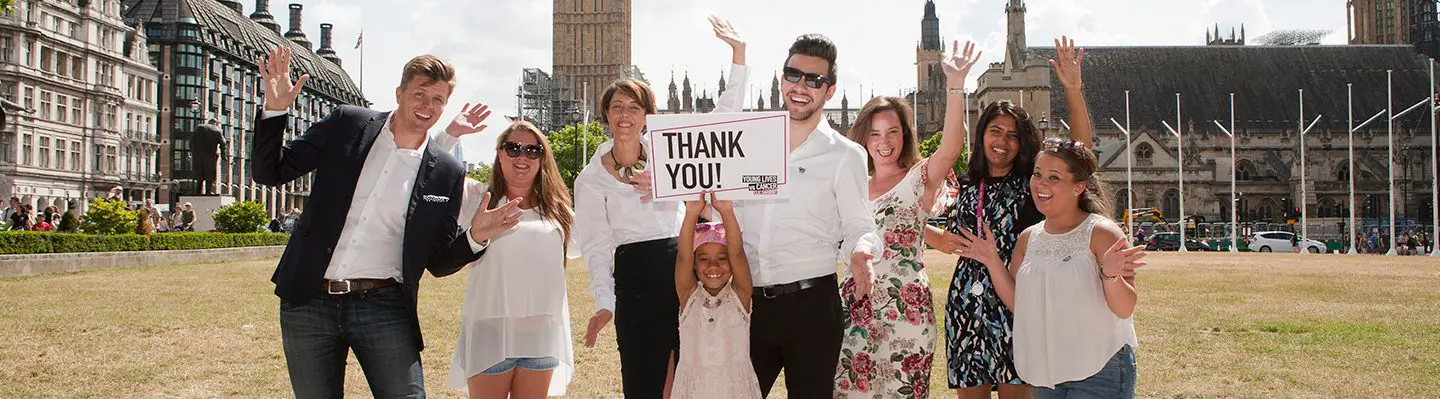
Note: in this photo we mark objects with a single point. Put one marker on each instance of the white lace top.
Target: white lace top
(1064, 330)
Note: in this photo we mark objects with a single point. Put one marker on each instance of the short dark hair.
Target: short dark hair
(634, 88)
(432, 68)
(815, 45)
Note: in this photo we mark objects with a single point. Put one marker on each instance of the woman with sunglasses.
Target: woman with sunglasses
(994, 194)
(629, 241)
(515, 323)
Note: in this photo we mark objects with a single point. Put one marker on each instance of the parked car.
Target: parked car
(1281, 241)
(1167, 241)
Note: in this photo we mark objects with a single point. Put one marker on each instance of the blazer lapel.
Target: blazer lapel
(422, 176)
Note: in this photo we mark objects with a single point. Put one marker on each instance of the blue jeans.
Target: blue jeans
(377, 324)
(528, 363)
(1115, 381)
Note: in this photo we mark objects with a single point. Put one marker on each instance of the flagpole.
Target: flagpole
(585, 127)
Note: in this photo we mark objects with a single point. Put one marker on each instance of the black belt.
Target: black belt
(771, 291)
(342, 287)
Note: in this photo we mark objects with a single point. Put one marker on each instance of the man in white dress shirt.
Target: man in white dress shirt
(794, 244)
(383, 209)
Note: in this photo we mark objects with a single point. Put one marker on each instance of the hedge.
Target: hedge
(31, 242)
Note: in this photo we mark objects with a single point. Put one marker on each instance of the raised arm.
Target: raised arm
(733, 99)
(278, 163)
(1067, 71)
(685, 254)
(957, 66)
(740, 278)
(1118, 261)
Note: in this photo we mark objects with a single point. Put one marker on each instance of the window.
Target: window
(75, 110)
(44, 152)
(77, 70)
(29, 53)
(75, 155)
(1144, 154)
(47, 59)
(6, 47)
(29, 97)
(1171, 206)
(59, 154)
(99, 155)
(1343, 173)
(61, 108)
(1244, 170)
(110, 160)
(26, 149)
(45, 105)
(7, 147)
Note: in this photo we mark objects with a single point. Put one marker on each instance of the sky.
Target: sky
(490, 41)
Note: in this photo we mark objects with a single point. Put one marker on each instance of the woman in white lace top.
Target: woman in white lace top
(1074, 292)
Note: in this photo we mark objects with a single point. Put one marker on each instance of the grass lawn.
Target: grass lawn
(1210, 325)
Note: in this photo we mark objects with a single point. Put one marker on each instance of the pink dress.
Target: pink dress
(715, 348)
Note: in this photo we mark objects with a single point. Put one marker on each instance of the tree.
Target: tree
(68, 223)
(566, 145)
(930, 145)
(108, 217)
(240, 217)
(481, 173)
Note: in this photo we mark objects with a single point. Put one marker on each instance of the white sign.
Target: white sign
(741, 155)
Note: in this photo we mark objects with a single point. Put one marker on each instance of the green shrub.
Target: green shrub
(31, 242)
(68, 223)
(108, 217)
(240, 217)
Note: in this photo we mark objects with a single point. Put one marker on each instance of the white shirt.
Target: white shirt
(1064, 329)
(609, 213)
(371, 243)
(826, 216)
(515, 301)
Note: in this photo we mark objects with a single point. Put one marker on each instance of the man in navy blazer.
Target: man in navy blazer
(383, 208)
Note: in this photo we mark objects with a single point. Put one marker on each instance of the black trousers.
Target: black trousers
(800, 333)
(647, 315)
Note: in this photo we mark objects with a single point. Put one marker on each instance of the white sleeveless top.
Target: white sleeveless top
(1064, 331)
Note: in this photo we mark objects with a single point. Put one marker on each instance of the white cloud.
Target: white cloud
(490, 41)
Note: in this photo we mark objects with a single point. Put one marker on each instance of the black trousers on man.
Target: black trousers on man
(799, 332)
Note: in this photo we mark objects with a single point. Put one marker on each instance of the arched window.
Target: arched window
(1268, 210)
(1327, 208)
(1342, 173)
(1244, 170)
(1171, 204)
(1120, 202)
(1144, 154)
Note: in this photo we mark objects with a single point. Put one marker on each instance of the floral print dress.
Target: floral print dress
(889, 341)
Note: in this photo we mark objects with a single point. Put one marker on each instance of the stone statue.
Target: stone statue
(206, 143)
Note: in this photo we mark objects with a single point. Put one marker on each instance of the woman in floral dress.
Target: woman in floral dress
(889, 337)
(996, 189)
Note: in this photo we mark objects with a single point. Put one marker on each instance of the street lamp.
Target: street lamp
(1390, 148)
(1129, 181)
(1304, 195)
(1234, 240)
(1350, 146)
(1180, 158)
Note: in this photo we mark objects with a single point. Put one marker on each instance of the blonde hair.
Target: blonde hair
(551, 197)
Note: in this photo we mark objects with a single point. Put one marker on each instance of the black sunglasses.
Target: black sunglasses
(514, 149)
(812, 80)
(1063, 144)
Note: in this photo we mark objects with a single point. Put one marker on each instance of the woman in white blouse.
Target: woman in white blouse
(515, 324)
(1074, 291)
(628, 241)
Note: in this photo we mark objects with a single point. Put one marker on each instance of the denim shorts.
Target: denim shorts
(528, 363)
(1115, 380)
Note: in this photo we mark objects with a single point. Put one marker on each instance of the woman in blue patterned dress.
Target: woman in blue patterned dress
(996, 189)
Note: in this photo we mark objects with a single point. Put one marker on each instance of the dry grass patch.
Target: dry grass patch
(1210, 325)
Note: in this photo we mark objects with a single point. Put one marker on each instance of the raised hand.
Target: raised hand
(469, 120)
(597, 323)
(1121, 261)
(726, 32)
(1067, 69)
(280, 93)
(722, 206)
(488, 223)
(980, 249)
(693, 208)
(957, 64)
(862, 272)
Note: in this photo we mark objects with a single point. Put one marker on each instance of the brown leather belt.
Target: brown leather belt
(342, 287)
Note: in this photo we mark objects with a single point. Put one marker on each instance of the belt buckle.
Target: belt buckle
(329, 287)
(768, 292)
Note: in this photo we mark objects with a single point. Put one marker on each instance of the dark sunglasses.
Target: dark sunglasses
(1063, 144)
(812, 80)
(514, 150)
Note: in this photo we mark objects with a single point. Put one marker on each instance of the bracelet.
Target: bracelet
(1103, 277)
(956, 90)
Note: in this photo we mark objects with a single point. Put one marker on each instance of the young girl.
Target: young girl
(1073, 293)
(715, 312)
